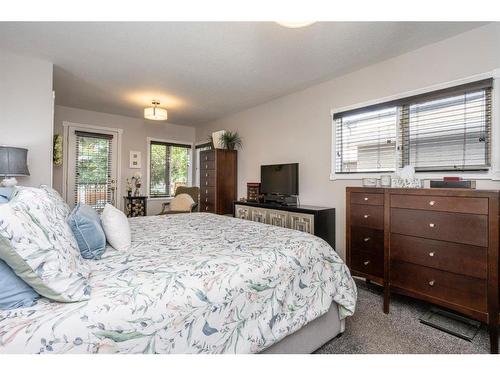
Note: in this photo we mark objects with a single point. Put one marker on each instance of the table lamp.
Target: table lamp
(13, 163)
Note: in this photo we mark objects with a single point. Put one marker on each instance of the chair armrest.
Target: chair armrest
(194, 207)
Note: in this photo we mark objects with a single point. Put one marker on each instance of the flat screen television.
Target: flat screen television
(282, 179)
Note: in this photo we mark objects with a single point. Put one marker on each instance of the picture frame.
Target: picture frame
(135, 160)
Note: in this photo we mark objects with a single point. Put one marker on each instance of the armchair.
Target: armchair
(192, 191)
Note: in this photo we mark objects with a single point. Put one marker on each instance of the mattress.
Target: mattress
(191, 283)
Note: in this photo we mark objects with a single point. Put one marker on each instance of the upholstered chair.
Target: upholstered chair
(192, 191)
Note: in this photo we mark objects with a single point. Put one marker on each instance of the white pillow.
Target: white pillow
(116, 228)
(182, 202)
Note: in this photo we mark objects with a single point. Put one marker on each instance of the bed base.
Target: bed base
(312, 336)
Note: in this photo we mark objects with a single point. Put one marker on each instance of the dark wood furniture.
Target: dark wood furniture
(135, 206)
(319, 221)
(218, 181)
(439, 245)
(253, 191)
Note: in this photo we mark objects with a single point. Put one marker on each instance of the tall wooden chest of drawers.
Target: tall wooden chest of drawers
(439, 245)
(218, 181)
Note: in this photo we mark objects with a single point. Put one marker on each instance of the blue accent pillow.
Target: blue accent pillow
(85, 223)
(5, 194)
(14, 292)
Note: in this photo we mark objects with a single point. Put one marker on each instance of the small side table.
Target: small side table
(135, 206)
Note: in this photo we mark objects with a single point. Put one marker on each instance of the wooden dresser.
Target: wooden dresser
(218, 181)
(439, 245)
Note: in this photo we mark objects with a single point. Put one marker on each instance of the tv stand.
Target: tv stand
(281, 200)
(319, 221)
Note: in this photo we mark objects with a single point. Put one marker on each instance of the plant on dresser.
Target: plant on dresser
(439, 245)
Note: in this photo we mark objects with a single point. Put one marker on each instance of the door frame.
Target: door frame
(68, 128)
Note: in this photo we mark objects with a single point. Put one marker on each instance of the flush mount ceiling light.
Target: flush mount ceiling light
(155, 113)
(295, 24)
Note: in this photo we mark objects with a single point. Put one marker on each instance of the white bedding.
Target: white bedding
(191, 283)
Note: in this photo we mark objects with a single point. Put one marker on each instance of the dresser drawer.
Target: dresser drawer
(447, 256)
(448, 287)
(455, 227)
(367, 216)
(438, 203)
(369, 263)
(208, 173)
(367, 198)
(204, 165)
(207, 207)
(367, 240)
(207, 156)
(207, 181)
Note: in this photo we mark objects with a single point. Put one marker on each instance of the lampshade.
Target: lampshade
(155, 112)
(13, 161)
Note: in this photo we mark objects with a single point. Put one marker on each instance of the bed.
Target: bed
(196, 283)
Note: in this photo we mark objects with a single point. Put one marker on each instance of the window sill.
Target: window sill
(169, 198)
(490, 175)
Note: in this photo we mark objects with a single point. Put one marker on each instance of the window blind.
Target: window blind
(443, 130)
(169, 167)
(447, 133)
(93, 172)
(366, 141)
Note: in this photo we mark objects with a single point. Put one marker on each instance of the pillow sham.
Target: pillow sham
(5, 194)
(14, 292)
(116, 227)
(61, 206)
(86, 226)
(41, 249)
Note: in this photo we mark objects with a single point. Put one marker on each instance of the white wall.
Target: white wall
(134, 138)
(26, 107)
(297, 127)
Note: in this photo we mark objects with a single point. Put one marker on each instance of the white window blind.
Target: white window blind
(445, 130)
(448, 133)
(366, 141)
(93, 169)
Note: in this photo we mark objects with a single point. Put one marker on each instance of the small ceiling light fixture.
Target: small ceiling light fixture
(295, 25)
(155, 113)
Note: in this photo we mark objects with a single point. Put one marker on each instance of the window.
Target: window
(445, 130)
(93, 169)
(169, 168)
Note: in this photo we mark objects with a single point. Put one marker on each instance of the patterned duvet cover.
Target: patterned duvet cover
(191, 283)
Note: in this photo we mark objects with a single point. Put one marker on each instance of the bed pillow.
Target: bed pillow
(86, 226)
(116, 227)
(182, 202)
(14, 292)
(60, 205)
(41, 249)
(5, 194)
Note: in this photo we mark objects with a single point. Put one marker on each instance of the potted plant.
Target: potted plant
(231, 140)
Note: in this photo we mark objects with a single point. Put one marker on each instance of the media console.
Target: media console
(319, 221)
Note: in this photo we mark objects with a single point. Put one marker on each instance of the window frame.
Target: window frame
(151, 140)
(493, 173)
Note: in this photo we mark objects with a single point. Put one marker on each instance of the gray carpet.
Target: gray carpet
(371, 331)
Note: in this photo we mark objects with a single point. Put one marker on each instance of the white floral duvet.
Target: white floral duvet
(191, 283)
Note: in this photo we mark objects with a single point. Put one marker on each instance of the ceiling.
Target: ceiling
(201, 71)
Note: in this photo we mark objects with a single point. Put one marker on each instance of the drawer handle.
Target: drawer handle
(206, 191)
(366, 262)
(366, 239)
(206, 166)
(432, 225)
(206, 174)
(206, 158)
(206, 183)
(365, 198)
(431, 283)
(366, 216)
(431, 254)
(206, 200)
(432, 203)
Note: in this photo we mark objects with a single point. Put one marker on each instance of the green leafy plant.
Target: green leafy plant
(231, 140)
